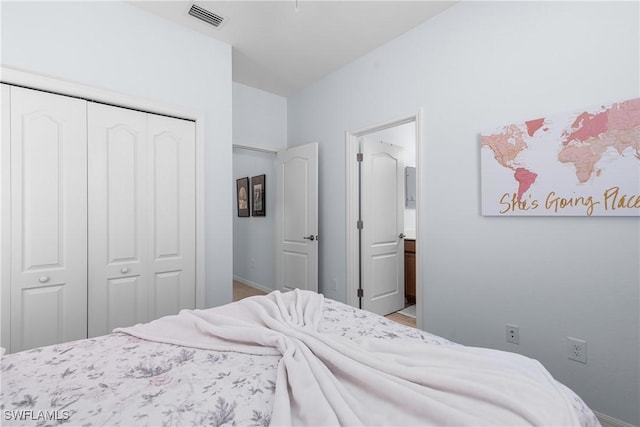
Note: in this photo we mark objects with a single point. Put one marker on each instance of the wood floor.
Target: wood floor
(240, 291)
(401, 318)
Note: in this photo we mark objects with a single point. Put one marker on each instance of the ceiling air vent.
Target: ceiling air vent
(206, 16)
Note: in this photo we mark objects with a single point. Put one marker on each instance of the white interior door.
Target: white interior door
(382, 250)
(297, 218)
(141, 217)
(48, 219)
(118, 218)
(171, 218)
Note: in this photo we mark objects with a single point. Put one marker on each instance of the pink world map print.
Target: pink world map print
(576, 164)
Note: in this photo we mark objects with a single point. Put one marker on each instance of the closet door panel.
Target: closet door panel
(172, 215)
(118, 259)
(122, 184)
(48, 218)
(167, 298)
(46, 328)
(123, 301)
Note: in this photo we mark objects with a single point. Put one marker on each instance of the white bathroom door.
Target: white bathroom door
(297, 218)
(118, 218)
(382, 250)
(171, 218)
(48, 219)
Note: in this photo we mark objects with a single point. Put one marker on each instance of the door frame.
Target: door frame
(30, 80)
(5, 221)
(352, 193)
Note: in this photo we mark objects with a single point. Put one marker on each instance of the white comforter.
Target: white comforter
(325, 379)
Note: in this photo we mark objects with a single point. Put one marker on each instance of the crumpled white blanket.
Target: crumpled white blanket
(326, 380)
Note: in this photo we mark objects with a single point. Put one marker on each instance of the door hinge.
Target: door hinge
(360, 224)
(360, 293)
(359, 157)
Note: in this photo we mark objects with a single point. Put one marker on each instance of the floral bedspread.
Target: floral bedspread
(119, 380)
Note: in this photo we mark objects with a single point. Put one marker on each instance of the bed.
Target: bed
(280, 359)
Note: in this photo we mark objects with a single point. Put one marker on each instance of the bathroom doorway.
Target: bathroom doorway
(374, 276)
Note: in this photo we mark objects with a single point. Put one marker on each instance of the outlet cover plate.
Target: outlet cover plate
(513, 334)
(577, 349)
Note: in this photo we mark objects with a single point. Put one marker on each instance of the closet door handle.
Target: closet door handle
(311, 237)
(43, 279)
(124, 270)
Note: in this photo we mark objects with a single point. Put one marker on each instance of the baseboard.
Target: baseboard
(254, 285)
(608, 421)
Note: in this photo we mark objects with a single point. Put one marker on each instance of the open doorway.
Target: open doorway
(371, 276)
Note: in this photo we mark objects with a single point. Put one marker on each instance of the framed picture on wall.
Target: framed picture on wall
(242, 191)
(258, 196)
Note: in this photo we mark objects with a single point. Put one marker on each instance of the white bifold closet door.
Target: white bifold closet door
(48, 140)
(141, 217)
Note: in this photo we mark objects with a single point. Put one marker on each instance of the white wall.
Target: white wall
(259, 120)
(118, 47)
(475, 65)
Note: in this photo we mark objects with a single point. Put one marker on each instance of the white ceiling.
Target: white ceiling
(281, 50)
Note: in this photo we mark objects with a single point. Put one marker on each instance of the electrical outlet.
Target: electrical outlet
(577, 349)
(513, 334)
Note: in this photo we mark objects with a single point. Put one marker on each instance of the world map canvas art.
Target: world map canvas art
(577, 164)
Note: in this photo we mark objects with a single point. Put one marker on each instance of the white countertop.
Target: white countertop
(410, 234)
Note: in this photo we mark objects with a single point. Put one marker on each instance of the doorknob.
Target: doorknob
(311, 237)
(402, 235)
(43, 279)
(124, 270)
